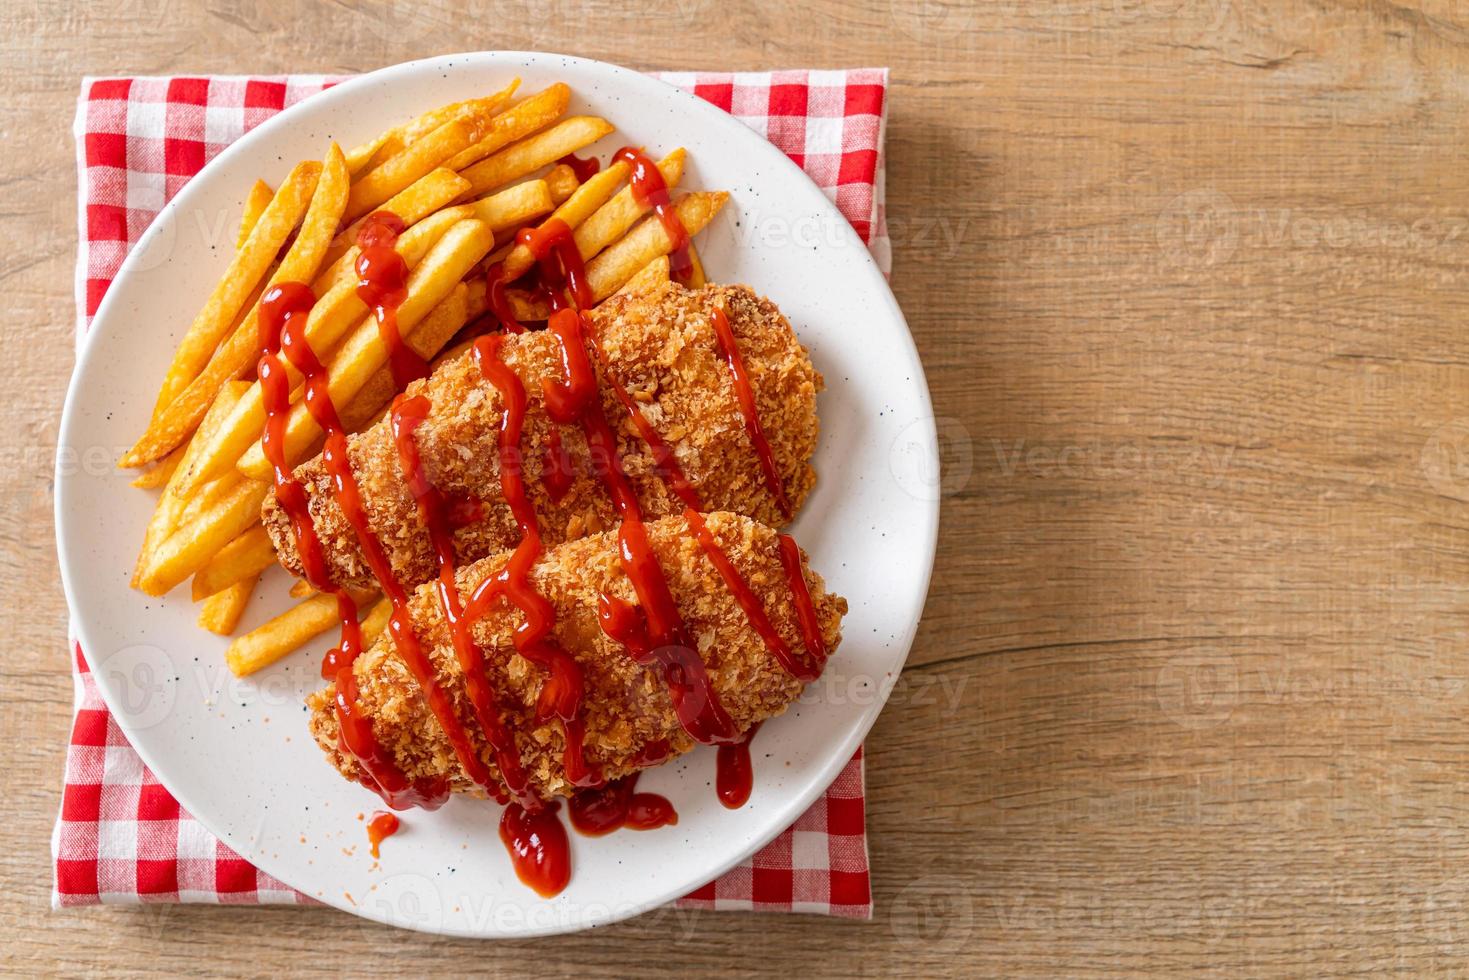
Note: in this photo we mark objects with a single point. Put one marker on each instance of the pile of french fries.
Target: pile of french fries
(465, 178)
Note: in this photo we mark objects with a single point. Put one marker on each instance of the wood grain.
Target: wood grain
(1190, 689)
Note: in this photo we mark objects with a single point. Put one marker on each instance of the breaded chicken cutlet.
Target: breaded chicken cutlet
(630, 721)
(661, 347)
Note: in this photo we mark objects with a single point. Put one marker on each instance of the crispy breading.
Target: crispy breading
(660, 346)
(626, 706)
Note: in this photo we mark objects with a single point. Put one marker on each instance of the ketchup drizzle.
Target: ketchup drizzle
(282, 308)
(790, 559)
(655, 633)
(748, 600)
(585, 170)
(498, 301)
(651, 190)
(539, 850)
(561, 693)
(599, 811)
(407, 415)
(560, 262)
(746, 396)
(382, 285)
(734, 776)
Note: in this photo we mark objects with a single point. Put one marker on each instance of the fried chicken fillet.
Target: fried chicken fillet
(626, 707)
(661, 347)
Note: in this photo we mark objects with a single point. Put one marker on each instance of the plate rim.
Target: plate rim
(838, 755)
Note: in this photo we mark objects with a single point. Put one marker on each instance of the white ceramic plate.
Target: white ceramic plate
(236, 753)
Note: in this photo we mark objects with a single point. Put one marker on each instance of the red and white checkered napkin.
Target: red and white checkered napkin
(121, 838)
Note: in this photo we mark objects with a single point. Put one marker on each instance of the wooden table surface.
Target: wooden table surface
(1190, 688)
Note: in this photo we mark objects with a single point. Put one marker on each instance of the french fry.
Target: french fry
(647, 241)
(366, 155)
(301, 589)
(362, 353)
(290, 630)
(423, 197)
(190, 547)
(562, 182)
(375, 622)
(249, 554)
(697, 279)
(161, 472)
(256, 202)
(580, 206)
(415, 241)
(171, 503)
(246, 269)
(486, 105)
(533, 113)
(653, 274)
(535, 152)
(415, 160)
(221, 612)
(513, 206)
(612, 220)
(442, 323)
(207, 495)
(338, 311)
(318, 228)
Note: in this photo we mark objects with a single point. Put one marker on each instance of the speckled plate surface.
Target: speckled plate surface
(236, 752)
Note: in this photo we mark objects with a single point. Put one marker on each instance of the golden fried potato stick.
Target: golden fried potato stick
(287, 632)
(391, 141)
(246, 269)
(375, 622)
(190, 548)
(580, 206)
(535, 152)
(432, 191)
(415, 160)
(655, 273)
(485, 105)
(256, 202)
(301, 589)
(221, 612)
(319, 226)
(336, 313)
(647, 241)
(362, 353)
(612, 220)
(206, 495)
(159, 473)
(171, 504)
(697, 279)
(249, 554)
(562, 181)
(532, 113)
(367, 155)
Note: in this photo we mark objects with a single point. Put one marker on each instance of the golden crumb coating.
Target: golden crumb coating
(660, 346)
(626, 707)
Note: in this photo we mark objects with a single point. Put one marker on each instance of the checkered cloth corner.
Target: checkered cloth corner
(120, 837)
